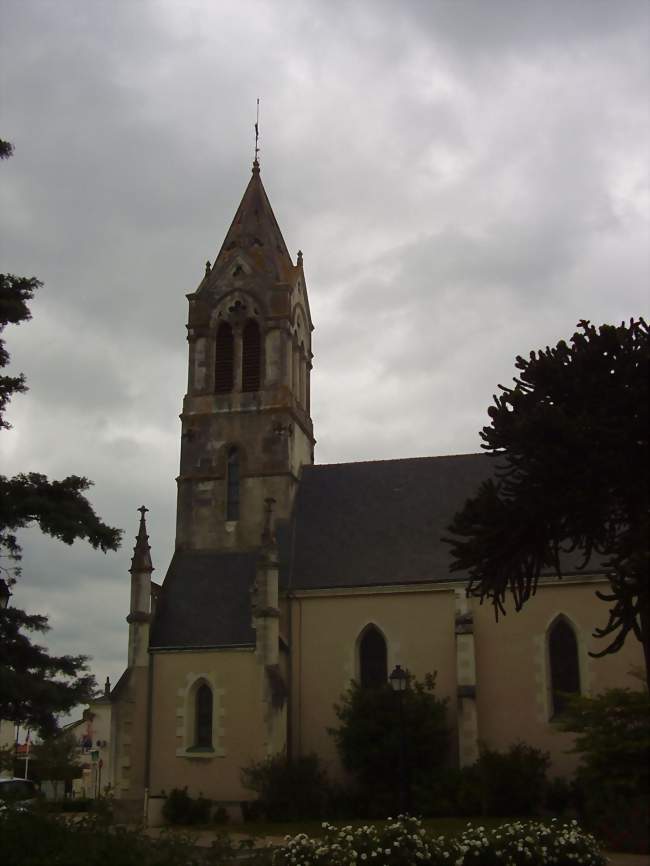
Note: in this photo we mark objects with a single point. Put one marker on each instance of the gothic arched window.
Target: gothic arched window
(564, 664)
(203, 717)
(224, 359)
(373, 662)
(232, 485)
(251, 357)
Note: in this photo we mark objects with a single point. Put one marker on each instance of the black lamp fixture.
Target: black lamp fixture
(399, 679)
(5, 593)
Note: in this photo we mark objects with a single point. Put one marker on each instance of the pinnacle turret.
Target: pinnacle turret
(141, 559)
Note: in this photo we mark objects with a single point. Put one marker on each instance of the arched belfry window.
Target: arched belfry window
(251, 356)
(224, 359)
(373, 661)
(302, 376)
(232, 485)
(203, 717)
(564, 664)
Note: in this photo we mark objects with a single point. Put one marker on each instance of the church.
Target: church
(290, 579)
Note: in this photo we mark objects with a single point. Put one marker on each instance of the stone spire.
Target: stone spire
(255, 236)
(141, 559)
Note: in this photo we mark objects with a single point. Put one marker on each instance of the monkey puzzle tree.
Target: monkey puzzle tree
(571, 475)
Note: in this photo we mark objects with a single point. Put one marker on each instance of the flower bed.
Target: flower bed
(404, 842)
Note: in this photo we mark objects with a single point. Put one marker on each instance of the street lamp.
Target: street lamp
(399, 680)
(5, 593)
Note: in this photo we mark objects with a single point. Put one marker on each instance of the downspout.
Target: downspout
(290, 599)
(290, 680)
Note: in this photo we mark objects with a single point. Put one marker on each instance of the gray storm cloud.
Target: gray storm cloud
(466, 182)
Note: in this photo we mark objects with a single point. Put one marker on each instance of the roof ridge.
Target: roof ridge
(398, 459)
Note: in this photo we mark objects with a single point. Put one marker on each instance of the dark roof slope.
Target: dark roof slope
(255, 232)
(205, 601)
(381, 522)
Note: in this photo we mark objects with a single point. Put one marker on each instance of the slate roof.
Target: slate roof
(377, 523)
(205, 601)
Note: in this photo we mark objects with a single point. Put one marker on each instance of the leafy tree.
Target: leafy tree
(613, 779)
(613, 739)
(368, 737)
(571, 477)
(57, 759)
(34, 686)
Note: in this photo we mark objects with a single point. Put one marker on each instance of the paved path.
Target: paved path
(628, 859)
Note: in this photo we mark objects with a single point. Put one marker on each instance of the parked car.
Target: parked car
(18, 794)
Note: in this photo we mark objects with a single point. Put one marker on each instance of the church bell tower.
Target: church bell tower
(246, 425)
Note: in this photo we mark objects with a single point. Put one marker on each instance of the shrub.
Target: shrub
(404, 842)
(180, 808)
(623, 824)
(288, 790)
(501, 784)
(613, 738)
(41, 839)
(441, 794)
(220, 815)
(368, 739)
(559, 796)
(613, 741)
(512, 782)
(470, 797)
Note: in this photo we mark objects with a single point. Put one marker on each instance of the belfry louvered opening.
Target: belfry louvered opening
(224, 359)
(251, 356)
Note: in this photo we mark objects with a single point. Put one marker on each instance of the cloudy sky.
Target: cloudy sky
(466, 180)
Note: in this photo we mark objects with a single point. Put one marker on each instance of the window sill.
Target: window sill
(200, 752)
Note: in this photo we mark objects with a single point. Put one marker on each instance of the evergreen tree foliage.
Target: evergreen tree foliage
(570, 442)
(35, 686)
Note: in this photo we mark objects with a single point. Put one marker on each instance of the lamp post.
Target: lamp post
(399, 682)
